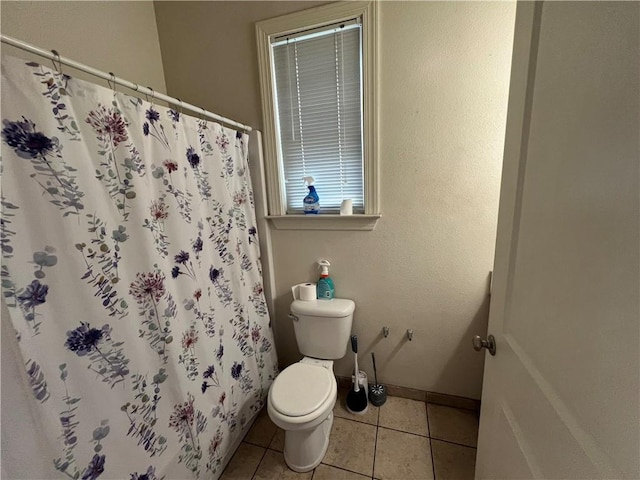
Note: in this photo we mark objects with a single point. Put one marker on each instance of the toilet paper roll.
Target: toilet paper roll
(346, 208)
(304, 291)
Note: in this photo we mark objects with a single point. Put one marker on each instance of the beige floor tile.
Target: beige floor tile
(340, 410)
(351, 446)
(327, 472)
(453, 462)
(278, 441)
(453, 424)
(403, 456)
(272, 467)
(262, 430)
(404, 414)
(244, 463)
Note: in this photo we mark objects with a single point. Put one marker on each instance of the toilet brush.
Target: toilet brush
(357, 397)
(377, 392)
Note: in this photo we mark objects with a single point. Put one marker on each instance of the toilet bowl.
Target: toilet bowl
(301, 401)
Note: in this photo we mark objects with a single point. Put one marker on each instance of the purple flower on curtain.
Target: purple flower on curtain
(220, 352)
(181, 420)
(174, 115)
(148, 286)
(149, 475)
(222, 141)
(170, 165)
(197, 245)
(95, 468)
(106, 358)
(215, 452)
(188, 357)
(84, 339)
(255, 334)
(25, 140)
(148, 289)
(189, 338)
(182, 257)
(35, 294)
(236, 370)
(53, 175)
(108, 125)
(252, 234)
(152, 115)
(193, 157)
(214, 274)
(209, 372)
(151, 127)
(159, 210)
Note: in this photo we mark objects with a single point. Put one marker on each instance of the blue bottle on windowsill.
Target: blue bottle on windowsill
(312, 201)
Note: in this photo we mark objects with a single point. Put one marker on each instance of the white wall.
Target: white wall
(113, 36)
(444, 75)
(444, 83)
(119, 37)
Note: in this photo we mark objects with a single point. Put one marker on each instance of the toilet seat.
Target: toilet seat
(301, 389)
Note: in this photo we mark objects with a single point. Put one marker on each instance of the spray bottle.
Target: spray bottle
(326, 289)
(311, 201)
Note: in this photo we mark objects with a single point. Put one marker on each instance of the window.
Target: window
(319, 115)
(317, 69)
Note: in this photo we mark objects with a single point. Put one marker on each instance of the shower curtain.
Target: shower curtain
(131, 270)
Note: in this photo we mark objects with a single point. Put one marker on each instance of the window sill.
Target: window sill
(324, 222)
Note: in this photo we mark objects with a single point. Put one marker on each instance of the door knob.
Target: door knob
(479, 343)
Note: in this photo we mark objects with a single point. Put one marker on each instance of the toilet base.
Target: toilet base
(305, 449)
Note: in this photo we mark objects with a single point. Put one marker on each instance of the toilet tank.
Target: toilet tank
(323, 327)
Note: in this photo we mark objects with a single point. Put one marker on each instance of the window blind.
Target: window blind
(319, 110)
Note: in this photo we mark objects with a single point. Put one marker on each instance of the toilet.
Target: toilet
(302, 397)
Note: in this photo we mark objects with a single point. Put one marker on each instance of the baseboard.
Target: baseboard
(423, 396)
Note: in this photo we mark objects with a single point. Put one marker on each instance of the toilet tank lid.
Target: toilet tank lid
(336, 307)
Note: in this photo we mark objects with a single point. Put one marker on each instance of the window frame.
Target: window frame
(307, 19)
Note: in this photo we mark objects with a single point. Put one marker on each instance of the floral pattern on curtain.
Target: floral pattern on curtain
(131, 270)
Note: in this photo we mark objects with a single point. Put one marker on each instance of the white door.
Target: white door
(561, 396)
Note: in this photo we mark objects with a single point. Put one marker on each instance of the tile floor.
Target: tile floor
(402, 440)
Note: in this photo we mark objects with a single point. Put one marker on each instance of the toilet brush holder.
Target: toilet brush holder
(363, 382)
(377, 393)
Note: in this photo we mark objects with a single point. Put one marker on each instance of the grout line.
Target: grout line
(357, 421)
(454, 443)
(259, 463)
(342, 468)
(375, 446)
(254, 444)
(433, 463)
(403, 431)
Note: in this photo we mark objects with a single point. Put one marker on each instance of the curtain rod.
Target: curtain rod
(112, 78)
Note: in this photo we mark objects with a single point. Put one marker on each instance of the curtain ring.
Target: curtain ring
(153, 95)
(203, 114)
(137, 87)
(180, 105)
(56, 56)
(112, 82)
